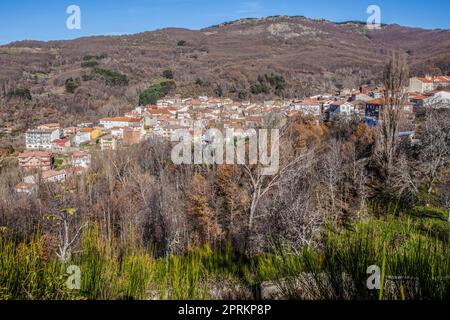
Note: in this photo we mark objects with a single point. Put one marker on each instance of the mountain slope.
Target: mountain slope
(312, 55)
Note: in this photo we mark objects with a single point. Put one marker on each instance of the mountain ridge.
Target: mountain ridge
(227, 23)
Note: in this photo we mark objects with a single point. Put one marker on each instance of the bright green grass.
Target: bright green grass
(412, 245)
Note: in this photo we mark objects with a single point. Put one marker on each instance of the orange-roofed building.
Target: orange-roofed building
(424, 84)
(60, 145)
(160, 112)
(109, 123)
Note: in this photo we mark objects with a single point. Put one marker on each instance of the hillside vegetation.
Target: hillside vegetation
(311, 56)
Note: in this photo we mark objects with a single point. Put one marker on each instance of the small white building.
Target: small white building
(427, 83)
(340, 109)
(117, 132)
(108, 142)
(420, 84)
(81, 137)
(26, 188)
(439, 100)
(81, 159)
(54, 176)
(308, 107)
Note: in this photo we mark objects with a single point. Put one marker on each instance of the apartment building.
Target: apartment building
(41, 137)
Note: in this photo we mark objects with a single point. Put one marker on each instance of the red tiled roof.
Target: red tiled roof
(434, 79)
(86, 130)
(338, 103)
(60, 141)
(160, 112)
(121, 119)
(79, 154)
(417, 97)
(29, 154)
(25, 186)
(424, 80)
(52, 173)
(376, 102)
(380, 102)
(442, 79)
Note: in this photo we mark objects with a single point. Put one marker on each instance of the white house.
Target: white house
(307, 106)
(54, 176)
(108, 142)
(117, 132)
(81, 159)
(26, 188)
(341, 109)
(427, 83)
(420, 84)
(439, 100)
(81, 137)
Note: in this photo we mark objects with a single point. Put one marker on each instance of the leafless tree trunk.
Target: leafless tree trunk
(261, 184)
(395, 80)
(67, 237)
(435, 145)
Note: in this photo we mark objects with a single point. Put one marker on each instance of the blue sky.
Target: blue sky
(46, 19)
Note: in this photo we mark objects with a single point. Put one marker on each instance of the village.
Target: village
(53, 154)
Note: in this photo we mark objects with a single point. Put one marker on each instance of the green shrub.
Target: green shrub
(266, 83)
(168, 74)
(71, 85)
(89, 64)
(242, 94)
(111, 77)
(218, 91)
(87, 76)
(92, 57)
(258, 88)
(155, 92)
(415, 266)
(26, 272)
(23, 93)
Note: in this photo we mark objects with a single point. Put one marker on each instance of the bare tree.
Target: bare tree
(295, 219)
(395, 81)
(67, 238)
(446, 202)
(290, 164)
(435, 145)
(62, 212)
(332, 175)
